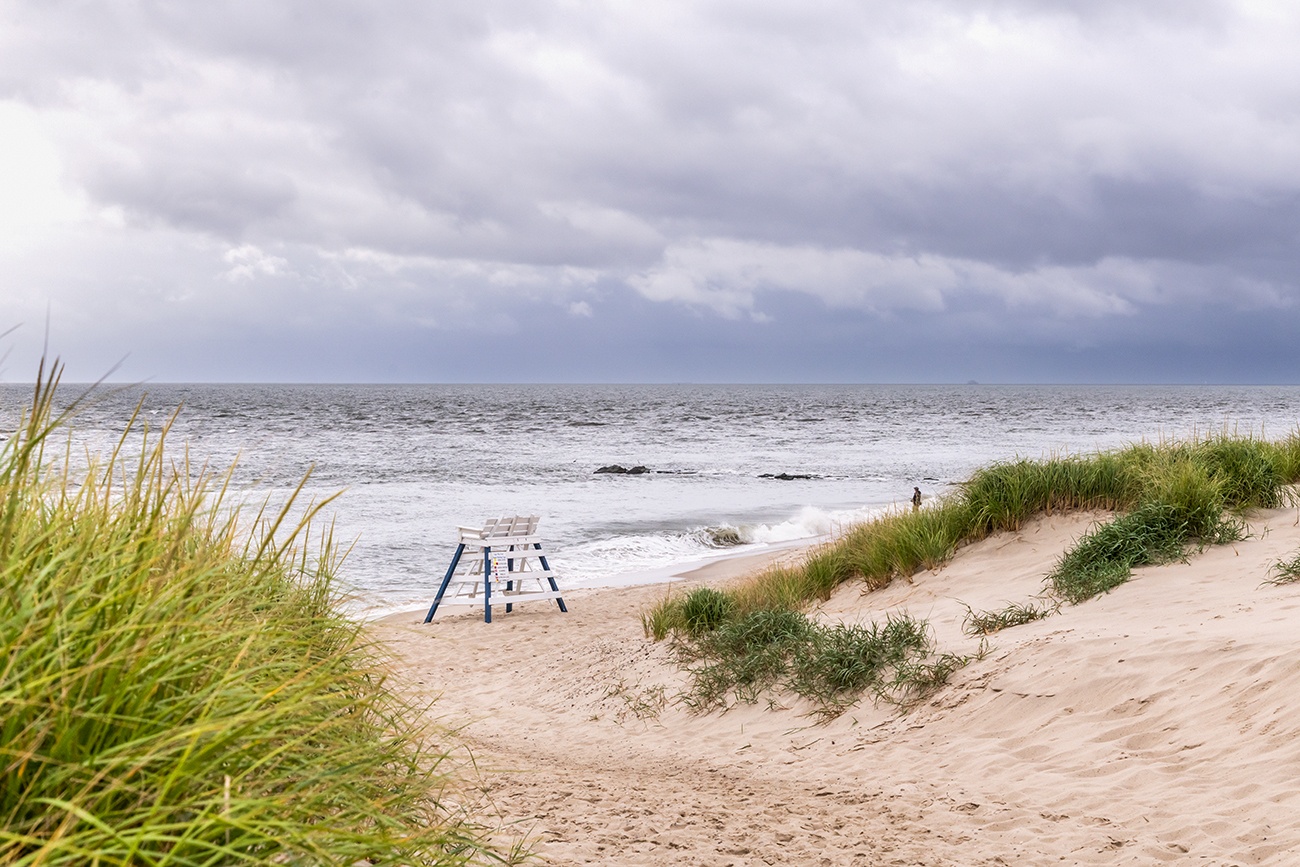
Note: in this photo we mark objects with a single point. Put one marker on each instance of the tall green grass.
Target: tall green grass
(177, 689)
(1004, 496)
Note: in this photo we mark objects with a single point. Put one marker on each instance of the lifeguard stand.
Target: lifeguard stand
(505, 554)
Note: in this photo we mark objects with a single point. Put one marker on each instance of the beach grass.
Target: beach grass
(978, 623)
(763, 652)
(705, 609)
(747, 656)
(1285, 571)
(178, 686)
(1155, 533)
(1171, 497)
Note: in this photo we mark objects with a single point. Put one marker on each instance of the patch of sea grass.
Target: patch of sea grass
(1004, 496)
(977, 623)
(767, 653)
(1285, 571)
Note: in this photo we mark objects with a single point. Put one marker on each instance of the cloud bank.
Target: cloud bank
(916, 191)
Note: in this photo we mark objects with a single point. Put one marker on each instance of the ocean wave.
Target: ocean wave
(725, 536)
(589, 563)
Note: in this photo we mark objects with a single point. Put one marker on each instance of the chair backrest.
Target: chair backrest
(514, 525)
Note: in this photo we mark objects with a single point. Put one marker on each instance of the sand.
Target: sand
(1156, 724)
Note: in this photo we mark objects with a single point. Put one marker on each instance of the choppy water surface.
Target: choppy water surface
(416, 461)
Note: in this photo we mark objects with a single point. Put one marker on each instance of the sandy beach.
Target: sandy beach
(1155, 724)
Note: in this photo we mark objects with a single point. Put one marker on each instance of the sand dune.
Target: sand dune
(1156, 724)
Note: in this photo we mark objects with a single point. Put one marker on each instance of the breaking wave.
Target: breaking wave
(592, 563)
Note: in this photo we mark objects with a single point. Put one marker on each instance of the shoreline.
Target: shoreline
(715, 567)
(1159, 723)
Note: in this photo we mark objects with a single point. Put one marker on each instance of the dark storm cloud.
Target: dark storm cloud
(763, 187)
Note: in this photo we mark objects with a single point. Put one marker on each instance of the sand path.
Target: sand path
(1157, 724)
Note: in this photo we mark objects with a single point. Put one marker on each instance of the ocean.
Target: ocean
(728, 467)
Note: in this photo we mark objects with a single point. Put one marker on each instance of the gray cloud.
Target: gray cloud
(1007, 174)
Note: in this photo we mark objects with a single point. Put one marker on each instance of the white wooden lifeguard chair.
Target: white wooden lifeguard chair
(503, 568)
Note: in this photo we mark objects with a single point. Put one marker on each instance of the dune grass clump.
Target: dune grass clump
(1104, 559)
(769, 652)
(978, 623)
(893, 662)
(1005, 496)
(1191, 494)
(1285, 571)
(747, 655)
(705, 609)
(1249, 472)
(175, 690)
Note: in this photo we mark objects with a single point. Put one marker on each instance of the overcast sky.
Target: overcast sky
(710, 191)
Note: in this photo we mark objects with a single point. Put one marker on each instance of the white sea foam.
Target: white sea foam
(604, 560)
(813, 522)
